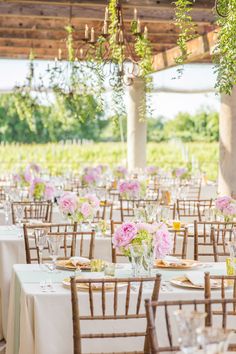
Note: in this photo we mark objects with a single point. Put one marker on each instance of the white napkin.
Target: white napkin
(196, 278)
(171, 259)
(79, 260)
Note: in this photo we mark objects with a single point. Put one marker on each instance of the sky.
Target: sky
(195, 77)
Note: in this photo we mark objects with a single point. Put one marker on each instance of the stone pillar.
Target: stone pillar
(227, 161)
(136, 127)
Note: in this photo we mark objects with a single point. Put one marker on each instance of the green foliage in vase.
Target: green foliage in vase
(184, 22)
(225, 51)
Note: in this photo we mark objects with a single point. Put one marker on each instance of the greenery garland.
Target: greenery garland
(225, 51)
(184, 21)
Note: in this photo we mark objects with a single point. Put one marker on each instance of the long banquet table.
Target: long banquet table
(41, 323)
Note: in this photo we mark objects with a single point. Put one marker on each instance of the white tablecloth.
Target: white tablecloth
(12, 251)
(41, 323)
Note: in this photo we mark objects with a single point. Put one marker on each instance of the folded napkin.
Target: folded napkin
(79, 261)
(196, 278)
(171, 259)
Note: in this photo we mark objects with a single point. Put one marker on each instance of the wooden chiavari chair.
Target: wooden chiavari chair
(193, 209)
(110, 309)
(194, 188)
(211, 238)
(160, 319)
(72, 245)
(33, 211)
(225, 281)
(179, 249)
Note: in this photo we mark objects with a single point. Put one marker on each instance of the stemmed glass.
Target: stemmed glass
(40, 235)
(189, 322)
(19, 215)
(7, 210)
(214, 340)
(54, 245)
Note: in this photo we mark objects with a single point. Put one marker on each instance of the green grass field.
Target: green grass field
(59, 158)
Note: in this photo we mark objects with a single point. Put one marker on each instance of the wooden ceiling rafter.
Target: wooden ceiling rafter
(40, 24)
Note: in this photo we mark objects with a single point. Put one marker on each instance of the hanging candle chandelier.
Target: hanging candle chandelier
(127, 52)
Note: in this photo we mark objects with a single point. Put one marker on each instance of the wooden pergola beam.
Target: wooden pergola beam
(198, 48)
(82, 11)
(200, 4)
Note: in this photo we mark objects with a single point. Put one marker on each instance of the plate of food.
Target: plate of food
(176, 263)
(74, 263)
(195, 280)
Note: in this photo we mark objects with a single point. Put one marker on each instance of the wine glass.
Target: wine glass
(148, 256)
(54, 245)
(40, 235)
(19, 215)
(189, 322)
(7, 210)
(214, 340)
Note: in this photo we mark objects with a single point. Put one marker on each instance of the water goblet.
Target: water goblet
(148, 256)
(54, 245)
(189, 322)
(19, 215)
(214, 340)
(40, 235)
(7, 210)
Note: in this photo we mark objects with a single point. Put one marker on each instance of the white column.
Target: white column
(136, 126)
(227, 163)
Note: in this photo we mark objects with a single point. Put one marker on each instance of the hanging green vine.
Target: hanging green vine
(225, 52)
(25, 104)
(184, 22)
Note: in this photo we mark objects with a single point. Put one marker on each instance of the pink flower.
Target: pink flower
(49, 191)
(86, 210)
(123, 187)
(94, 201)
(68, 203)
(124, 235)
(151, 170)
(28, 176)
(34, 167)
(222, 202)
(121, 170)
(162, 240)
(179, 172)
(230, 209)
(134, 186)
(16, 177)
(144, 226)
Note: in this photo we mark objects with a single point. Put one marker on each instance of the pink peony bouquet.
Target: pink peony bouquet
(40, 189)
(91, 175)
(120, 172)
(79, 208)
(152, 170)
(157, 235)
(181, 173)
(226, 207)
(132, 189)
(25, 176)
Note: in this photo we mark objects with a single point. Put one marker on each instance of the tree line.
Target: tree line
(56, 122)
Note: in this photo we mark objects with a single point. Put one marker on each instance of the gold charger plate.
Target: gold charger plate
(67, 265)
(95, 286)
(185, 264)
(183, 282)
